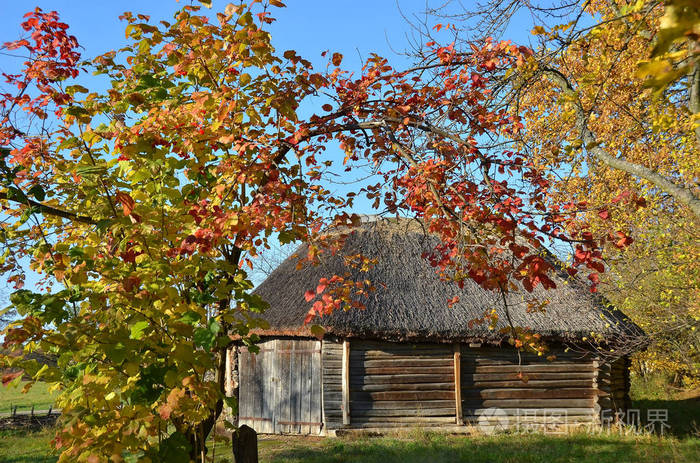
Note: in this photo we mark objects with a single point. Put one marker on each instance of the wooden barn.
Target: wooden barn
(410, 360)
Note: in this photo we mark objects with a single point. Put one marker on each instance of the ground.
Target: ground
(682, 444)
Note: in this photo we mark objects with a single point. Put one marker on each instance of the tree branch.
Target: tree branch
(50, 210)
(680, 193)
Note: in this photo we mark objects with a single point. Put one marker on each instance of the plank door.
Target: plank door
(297, 378)
(256, 393)
(280, 387)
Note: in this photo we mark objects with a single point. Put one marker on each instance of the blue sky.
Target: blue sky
(353, 28)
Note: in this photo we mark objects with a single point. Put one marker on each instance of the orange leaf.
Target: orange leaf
(337, 59)
(127, 201)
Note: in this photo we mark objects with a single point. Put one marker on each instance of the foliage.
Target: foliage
(142, 204)
(611, 97)
(653, 124)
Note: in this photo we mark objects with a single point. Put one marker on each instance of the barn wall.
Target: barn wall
(394, 384)
(550, 391)
(331, 361)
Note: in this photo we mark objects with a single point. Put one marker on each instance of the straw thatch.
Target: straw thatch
(410, 301)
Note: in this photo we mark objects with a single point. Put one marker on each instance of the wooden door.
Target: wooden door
(280, 387)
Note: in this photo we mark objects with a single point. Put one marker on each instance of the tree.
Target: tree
(612, 96)
(142, 204)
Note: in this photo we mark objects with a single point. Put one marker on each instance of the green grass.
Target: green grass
(38, 395)
(26, 447)
(682, 445)
(427, 447)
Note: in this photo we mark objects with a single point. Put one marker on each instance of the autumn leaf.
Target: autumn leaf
(126, 201)
(337, 59)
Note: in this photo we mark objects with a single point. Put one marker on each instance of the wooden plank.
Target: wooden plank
(528, 403)
(440, 362)
(346, 382)
(403, 387)
(530, 376)
(439, 370)
(531, 393)
(541, 368)
(404, 379)
(406, 419)
(446, 411)
(529, 384)
(573, 411)
(419, 396)
(407, 404)
(457, 357)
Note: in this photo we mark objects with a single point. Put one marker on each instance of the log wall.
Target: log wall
(614, 385)
(331, 361)
(394, 385)
(549, 392)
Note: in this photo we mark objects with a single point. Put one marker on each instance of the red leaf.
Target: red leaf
(321, 287)
(604, 214)
(309, 295)
(327, 107)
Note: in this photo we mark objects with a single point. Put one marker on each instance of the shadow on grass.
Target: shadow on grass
(501, 448)
(683, 415)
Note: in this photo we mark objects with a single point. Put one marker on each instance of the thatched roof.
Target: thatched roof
(410, 301)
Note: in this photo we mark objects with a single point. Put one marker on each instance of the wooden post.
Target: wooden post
(345, 377)
(456, 347)
(245, 445)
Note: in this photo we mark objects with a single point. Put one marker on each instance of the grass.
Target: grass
(26, 447)
(415, 446)
(38, 395)
(682, 445)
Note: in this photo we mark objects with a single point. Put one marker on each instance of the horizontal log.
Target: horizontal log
(403, 387)
(410, 404)
(402, 419)
(405, 412)
(523, 420)
(573, 411)
(467, 384)
(402, 363)
(405, 379)
(439, 370)
(394, 425)
(403, 395)
(559, 368)
(524, 393)
(363, 356)
(531, 376)
(528, 403)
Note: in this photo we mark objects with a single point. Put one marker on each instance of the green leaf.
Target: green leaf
(137, 329)
(174, 449)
